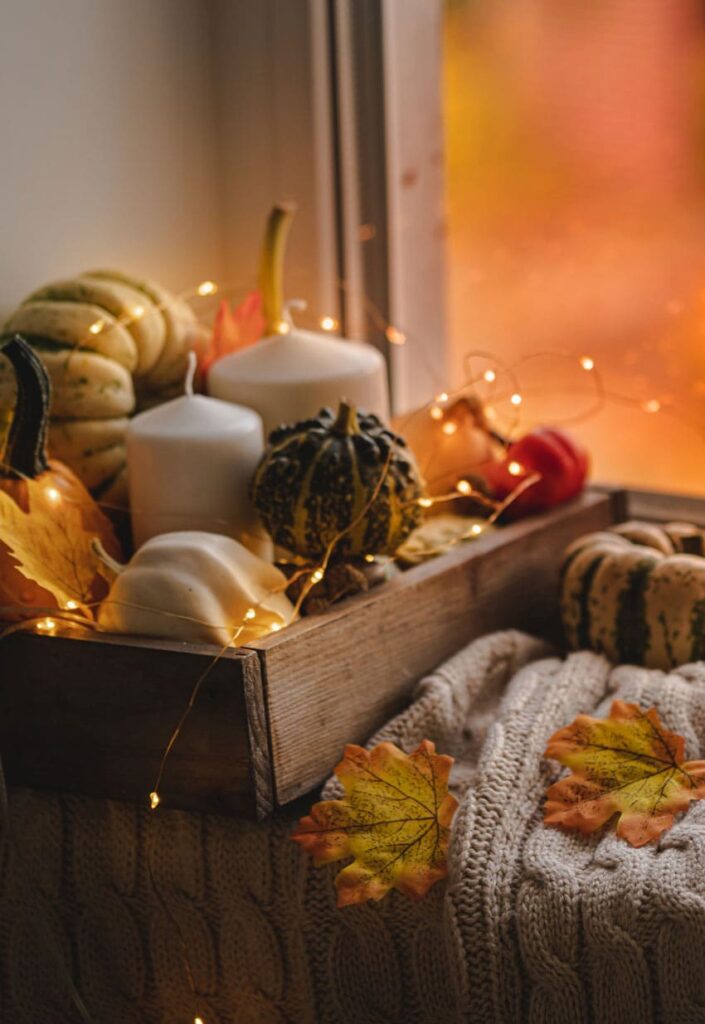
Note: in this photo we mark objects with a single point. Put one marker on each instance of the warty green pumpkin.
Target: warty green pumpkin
(636, 593)
(112, 345)
(320, 480)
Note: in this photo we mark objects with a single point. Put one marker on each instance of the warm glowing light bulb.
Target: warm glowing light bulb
(283, 327)
(476, 529)
(394, 336)
(71, 605)
(449, 427)
(275, 627)
(443, 397)
(97, 327)
(516, 398)
(46, 625)
(137, 312)
(250, 614)
(653, 405)
(53, 495)
(369, 558)
(587, 363)
(328, 323)
(436, 412)
(515, 469)
(317, 576)
(425, 502)
(207, 288)
(154, 800)
(198, 1020)
(490, 376)
(463, 487)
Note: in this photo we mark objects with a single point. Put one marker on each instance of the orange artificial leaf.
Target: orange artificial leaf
(53, 550)
(394, 821)
(627, 765)
(234, 329)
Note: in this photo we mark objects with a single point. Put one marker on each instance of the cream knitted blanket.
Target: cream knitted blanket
(534, 925)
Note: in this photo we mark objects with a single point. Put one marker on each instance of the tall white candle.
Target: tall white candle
(292, 373)
(190, 462)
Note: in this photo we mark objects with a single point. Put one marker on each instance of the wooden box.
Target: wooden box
(93, 716)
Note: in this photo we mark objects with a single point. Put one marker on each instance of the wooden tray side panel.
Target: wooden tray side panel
(662, 507)
(334, 679)
(94, 716)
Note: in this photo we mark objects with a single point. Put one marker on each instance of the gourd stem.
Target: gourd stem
(26, 448)
(271, 278)
(190, 374)
(106, 559)
(346, 422)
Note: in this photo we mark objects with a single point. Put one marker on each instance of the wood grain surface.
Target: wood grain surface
(92, 716)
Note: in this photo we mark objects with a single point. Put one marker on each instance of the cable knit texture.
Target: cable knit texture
(534, 925)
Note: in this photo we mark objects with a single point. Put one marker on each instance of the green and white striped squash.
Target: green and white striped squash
(136, 359)
(344, 476)
(636, 593)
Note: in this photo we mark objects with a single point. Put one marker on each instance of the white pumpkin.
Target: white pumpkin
(196, 586)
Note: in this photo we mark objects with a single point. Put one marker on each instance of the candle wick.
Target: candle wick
(190, 374)
(293, 304)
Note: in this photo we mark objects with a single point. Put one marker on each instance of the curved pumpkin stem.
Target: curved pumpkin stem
(108, 561)
(346, 422)
(271, 279)
(26, 448)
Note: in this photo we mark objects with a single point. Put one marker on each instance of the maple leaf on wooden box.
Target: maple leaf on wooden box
(627, 765)
(394, 821)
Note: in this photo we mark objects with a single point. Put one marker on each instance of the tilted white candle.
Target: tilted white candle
(291, 374)
(190, 462)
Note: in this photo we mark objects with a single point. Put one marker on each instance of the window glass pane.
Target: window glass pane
(576, 191)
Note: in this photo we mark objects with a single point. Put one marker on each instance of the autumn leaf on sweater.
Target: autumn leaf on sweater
(394, 821)
(627, 765)
(52, 550)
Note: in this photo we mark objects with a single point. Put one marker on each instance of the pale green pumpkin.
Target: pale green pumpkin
(636, 593)
(112, 344)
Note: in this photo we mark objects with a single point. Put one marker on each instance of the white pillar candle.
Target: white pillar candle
(289, 377)
(291, 374)
(190, 462)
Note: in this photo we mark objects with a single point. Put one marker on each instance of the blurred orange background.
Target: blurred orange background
(576, 212)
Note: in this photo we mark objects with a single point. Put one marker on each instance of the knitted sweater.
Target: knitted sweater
(534, 925)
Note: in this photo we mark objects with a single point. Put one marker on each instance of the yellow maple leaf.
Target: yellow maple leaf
(394, 821)
(52, 549)
(627, 765)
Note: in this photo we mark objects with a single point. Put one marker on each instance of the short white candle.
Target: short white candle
(190, 462)
(289, 377)
(291, 374)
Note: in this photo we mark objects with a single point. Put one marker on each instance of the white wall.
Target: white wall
(276, 144)
(110, 147)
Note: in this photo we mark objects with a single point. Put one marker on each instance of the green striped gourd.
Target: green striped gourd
(636, 593)
(321, 478)
(112, 345)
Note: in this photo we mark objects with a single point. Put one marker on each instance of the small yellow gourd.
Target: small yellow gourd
(196, 586)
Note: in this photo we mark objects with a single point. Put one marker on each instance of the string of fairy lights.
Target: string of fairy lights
(438, 409)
